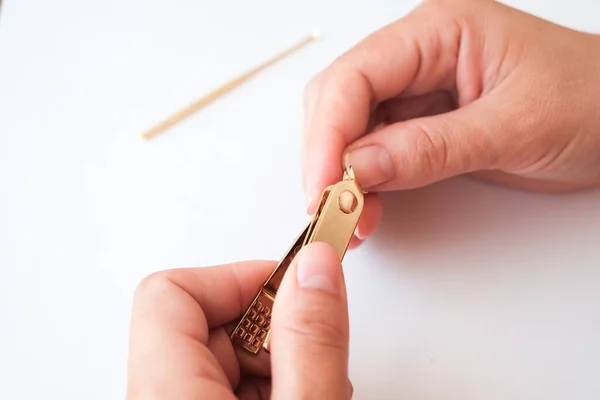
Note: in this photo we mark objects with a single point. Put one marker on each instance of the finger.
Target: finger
(425, 150)
(402, 109)
(223, 291)
(370, 217)
(309, 342)
(355, 242)
(253, 388)
(219, 343)
(394, 110)
(172, 314)
(391, 111)
(311, 94)
(368, 222)
(409, 56)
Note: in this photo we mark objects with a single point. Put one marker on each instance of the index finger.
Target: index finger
(173, 313)
(412, 56)
(194, 300)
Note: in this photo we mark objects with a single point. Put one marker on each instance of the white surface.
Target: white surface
(468, 291)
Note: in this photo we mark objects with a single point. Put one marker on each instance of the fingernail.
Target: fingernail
(318, 268)
(372, 165)
(309, 205)
(359, 234)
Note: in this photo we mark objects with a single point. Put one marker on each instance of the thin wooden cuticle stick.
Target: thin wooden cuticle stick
(220, 91)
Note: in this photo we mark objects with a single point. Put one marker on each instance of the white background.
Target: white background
(468, 291)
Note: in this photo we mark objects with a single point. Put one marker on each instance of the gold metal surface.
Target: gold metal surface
(334, 223)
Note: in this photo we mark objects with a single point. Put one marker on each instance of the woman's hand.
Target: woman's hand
(457, 87)
(182, 318)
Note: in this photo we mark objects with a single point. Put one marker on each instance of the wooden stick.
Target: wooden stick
(192, 108)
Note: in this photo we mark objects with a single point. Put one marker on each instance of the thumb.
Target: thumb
(422, 151)
(309, 329)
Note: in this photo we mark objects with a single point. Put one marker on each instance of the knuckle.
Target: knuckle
(316, 332)
(428, 153)
(342, 61)
(153, 286)
(313, 87)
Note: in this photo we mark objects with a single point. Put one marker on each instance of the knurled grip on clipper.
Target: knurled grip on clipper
(334, 223)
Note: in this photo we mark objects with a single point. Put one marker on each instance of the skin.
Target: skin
(457, 87)
(182, 318)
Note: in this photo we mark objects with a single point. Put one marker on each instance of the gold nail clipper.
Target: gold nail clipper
(334, 223)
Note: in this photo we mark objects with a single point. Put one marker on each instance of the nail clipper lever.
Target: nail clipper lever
(334, 223)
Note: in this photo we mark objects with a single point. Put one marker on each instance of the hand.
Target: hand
(180, 346)
(457, 87)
